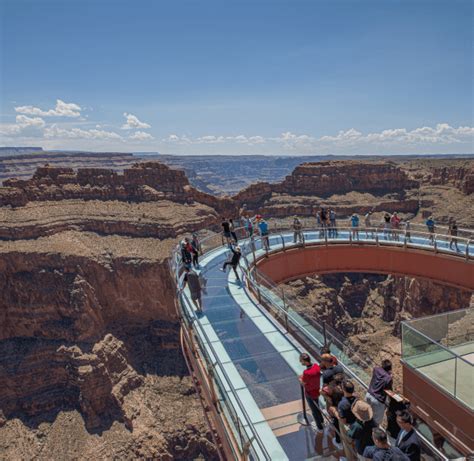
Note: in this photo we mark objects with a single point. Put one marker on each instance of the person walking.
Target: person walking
(381, 380)
(232, 231)
(263, 228)
(226, 231)
(311, 381)
(236, 255)
(395, 225)
(386, 226)
(193, 280)
(249, 227)
(368, 224)
(430, 224)
(355, 226)
(186, 253)
(382, 451)
(360, 431)
(407, 440)
(453, 232)
(196, 246)
(297, 234)
(332, 223)
(408, 230)
(323, 215)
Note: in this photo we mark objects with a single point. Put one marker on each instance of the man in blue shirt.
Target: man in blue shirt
(263, 228)
(376, 396)
(355, 226)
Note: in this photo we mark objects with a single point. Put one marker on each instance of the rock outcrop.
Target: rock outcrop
(312, 184)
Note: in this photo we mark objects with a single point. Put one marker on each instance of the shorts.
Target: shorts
(227, 234)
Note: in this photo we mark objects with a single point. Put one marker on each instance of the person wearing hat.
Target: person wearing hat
(297, 234)
(234, 262)
(360, 431)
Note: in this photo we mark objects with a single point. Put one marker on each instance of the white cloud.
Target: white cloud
(24, 125)
(62, 109)
(395, 140)
(133, 122)
(140, 136)
(54, 131)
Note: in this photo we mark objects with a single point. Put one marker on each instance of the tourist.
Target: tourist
(395, 224)
(407, 439)
(226, 231)
(407, 231)
(325, 350)
(360, 431)
(355, 226)
(453, 232)
(386, 226)
(311, 380)
(196, 249)
(263, 228)
(333, 395)
(323, 215)
(186, 253)
(376, 396)
(332, 221)
(368, 225)
(430, 224)
(236, 254)
(249, 227)
(193, 281)
(297, 233)
(319, 224)
(196, 242)
(331, 372)
(344, 410)
(382, 451)
(232, 230)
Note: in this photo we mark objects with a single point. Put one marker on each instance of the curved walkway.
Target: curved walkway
(255, 360)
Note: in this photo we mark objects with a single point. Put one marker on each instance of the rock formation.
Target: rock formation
(340, 185)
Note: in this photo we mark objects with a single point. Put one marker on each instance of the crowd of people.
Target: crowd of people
(357, 420)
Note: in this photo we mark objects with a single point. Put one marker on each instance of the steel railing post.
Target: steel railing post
(283, 242)
(467, 250)
(435, 243)
(303, 400)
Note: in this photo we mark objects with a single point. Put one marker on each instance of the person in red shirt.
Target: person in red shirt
(311, 381)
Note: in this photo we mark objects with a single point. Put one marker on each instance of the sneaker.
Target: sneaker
(221, 269)
(338, 445)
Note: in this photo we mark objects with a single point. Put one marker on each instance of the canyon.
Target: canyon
(90, 360)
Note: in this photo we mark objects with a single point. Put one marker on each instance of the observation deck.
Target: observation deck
(243, 350)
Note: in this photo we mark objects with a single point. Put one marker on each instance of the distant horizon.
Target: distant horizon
(156, 153)
(238, 78)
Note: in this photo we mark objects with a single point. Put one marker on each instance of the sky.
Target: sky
(238, 77)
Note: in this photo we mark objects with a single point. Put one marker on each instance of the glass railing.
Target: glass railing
(283, 305)
(441, 347)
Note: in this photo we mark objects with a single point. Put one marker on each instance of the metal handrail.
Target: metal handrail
(387, 233)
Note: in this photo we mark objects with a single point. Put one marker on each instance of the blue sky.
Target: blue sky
(276, 77)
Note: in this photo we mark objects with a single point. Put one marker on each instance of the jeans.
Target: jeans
(377, 407)
(234, 266)
(316, 412)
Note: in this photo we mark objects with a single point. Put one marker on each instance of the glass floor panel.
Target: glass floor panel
(276, 392)
(211, 291)
(240, 327)
(263, 368)
(249, 346)
(224, 313)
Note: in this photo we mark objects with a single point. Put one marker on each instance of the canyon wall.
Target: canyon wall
(340, 185)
